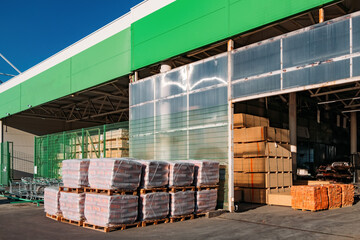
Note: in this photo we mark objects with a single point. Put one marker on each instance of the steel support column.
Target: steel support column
(293, 132)
(353, 133)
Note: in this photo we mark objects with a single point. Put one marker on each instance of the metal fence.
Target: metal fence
(94, 142)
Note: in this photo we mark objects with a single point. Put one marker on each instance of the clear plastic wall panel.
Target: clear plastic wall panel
(171, 83)
(356, 67)
(142, 91)
(323, 42)
(356, 34)
(256, 86)
(142, 146)
(171, 145)
(322, 73)
(208, 73)
(256, 60)
(209, 143)
(171, 122)
(142, 111)
(208, 116)
(209, 98)
(172, 105)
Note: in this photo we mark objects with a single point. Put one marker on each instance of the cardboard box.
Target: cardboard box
(262, 180)
(256, 195)
(262, 149)
(245, 120)
(258, 134)
(264, 164)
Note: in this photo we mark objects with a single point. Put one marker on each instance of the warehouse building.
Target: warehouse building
(176, 72)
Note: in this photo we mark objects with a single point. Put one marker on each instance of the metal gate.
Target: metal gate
(6, 161)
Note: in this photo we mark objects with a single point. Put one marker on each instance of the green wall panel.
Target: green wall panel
(185, 25)
(10, 101)
(47, 86)
(102, 62)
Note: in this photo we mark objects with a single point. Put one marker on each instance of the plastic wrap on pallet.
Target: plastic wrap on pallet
(154, 205)
(334, 193)
(72, 205)
(347, 195)
(206, 172)
(181, 173)
(206, 200)
(51, 200)
(182, 203)
(120, 173)
(75, 173)
(105, 211)
(311, 198)
(154, 174)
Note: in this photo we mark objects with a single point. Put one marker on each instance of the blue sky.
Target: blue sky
(33, 30)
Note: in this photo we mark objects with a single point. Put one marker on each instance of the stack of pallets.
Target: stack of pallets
(262, 162)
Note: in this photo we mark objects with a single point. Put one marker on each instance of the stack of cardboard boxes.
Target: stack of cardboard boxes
(262, 159)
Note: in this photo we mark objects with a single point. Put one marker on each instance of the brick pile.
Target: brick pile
(51, 201)
(75, 173)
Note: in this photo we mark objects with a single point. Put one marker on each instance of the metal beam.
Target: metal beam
(335, 91)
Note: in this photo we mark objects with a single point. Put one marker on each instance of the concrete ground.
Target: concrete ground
(26, 221)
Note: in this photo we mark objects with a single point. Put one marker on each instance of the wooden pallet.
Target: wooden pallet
(207, 187)
(181, 218)
(110, 192)
(181, 189)
(145, 191)
(309, 210)
(154, 222)
(198, 215)
(71, 190)
(110, 228)
(72, 222)
(54, 217)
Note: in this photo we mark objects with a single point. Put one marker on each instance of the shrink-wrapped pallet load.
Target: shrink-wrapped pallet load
(121, 173)
(206, 172)
(334, 193)
(154, 205)
(51, 201)
(75, 173)
(311, 198)
(181, 173)
(106, 211)
(182, 203)
(206, 200)
(154, 174)
(72, 205)
(347, 195)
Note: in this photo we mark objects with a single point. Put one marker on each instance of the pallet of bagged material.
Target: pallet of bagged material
(261, 149)
(110, 192)
(181, 218)
(242, 120)
(152, 190)
(78, 223)
(263, 164)
(207, 187)
(262, 180)
(71, 190)
(259, 134)
(54, 217)
(111, 228)
(154, 222)
(181, 189)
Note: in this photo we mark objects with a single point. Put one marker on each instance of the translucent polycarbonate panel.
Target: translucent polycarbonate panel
(172, 105)
(209, 98)
(142, 91)
(256, 60)
(142, 146)
(256, 86)
(171, 145)
(171, 122)
(325, 72)
(171, 83)
(356, 67)
(142, 111)
(356, 34)
(208, 73)
(323, 42)
(209, 143)
(208, 116)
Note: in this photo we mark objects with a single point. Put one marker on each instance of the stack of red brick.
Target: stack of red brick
(321, 197)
